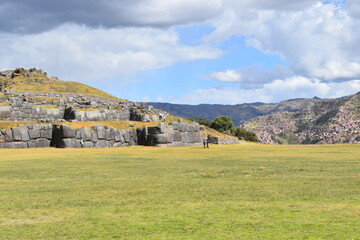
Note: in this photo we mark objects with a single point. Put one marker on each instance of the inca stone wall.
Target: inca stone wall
(223, 140)
(50, 107)
(29, 136)
(98, 136)
(175, 134)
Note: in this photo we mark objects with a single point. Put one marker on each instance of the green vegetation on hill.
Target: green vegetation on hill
(34, 80)
(244, 191)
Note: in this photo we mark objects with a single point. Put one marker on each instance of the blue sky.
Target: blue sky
(190, 51)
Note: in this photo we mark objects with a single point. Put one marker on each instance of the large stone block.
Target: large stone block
(31, 144)
(89, 144)
(93, 115)
(20, 134)
(94, 137)
(110, 134)
(119, 136)
(46, 133)
(85, 134)
(42, 143)
(100, 130)
(8, 136)
(34, 133)
(68, 143)
(102, 144)
(164, 138)
(68, 132)
(5, 112)
(177, 136)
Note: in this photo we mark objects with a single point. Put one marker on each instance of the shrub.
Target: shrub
(223, 124)
(242, 133)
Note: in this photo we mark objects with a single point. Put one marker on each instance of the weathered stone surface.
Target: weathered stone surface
(31, 144)
(101, 133)
(119, 136)
(164, 138)
(102, 144)
(68, 132)
(42, 143)
(94, 137)
(177, 136)
(89, 144)
(8, 136)
(20, 134)
(2, 145)
(70, 143)
(85, 134)
(34, 133)
(110, 134)
(78, 135)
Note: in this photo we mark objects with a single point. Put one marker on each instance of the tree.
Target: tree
(244, 134)
(223, 124)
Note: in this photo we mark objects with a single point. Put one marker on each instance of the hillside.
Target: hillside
(239, 113)
(36, 80)
(327, 122)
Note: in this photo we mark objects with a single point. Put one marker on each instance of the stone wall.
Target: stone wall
(26, 112)
(175, 134)
(223, 140)
(98, 136)
(50, 107)
(29, 136)
(97, 115)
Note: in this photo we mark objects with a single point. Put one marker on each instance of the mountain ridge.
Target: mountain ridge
(239, 113)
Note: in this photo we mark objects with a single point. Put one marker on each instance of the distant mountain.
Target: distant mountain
(326, 122)
(239, 113)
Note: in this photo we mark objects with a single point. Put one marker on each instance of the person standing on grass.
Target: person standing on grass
(204, 142)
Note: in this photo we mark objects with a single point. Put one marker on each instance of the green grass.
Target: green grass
(244, 191)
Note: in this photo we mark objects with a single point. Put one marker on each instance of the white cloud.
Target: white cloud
(278, 90)
(226, 76)
(321, 41)
(79, 53)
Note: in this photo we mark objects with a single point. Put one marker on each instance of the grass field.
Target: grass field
(245, 191)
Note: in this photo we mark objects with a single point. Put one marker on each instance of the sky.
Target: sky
(189, 51)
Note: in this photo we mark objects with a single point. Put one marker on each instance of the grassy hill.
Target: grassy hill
(244, 191)
(35, 80)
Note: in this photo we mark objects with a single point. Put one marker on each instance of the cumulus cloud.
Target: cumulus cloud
(321, 41)
(278, 90)
(227, 76)
(80, 53)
